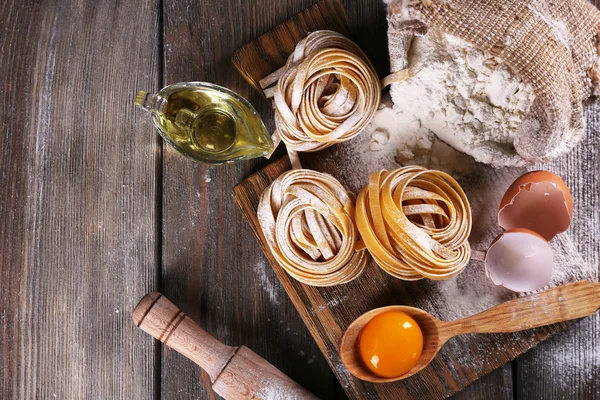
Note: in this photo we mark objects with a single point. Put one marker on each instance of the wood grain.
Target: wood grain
(564, 303)
(212, 266)
(77, 199)
(78, 224)
(164, 321)
(326, 318)
(568, 366)
(270, 51)
(248, 376)
(235, 372)
(497, 385)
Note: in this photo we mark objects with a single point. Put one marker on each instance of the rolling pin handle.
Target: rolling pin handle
(164, 321)
(235, 373)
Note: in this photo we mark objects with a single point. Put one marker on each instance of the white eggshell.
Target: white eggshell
(520, 260)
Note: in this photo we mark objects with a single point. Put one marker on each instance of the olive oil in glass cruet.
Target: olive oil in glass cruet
(207, 123)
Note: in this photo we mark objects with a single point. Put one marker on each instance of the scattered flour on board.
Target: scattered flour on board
(333, 302)
(394, 139)
(336, 301)
(471, 292)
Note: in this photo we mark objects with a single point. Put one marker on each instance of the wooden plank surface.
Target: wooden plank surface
(77, 199)
(212, 266)
(267, 52)
(328, 312)
(568, 367)
(78, 167)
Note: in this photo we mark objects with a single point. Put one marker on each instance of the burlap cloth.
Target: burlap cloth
(551, 45)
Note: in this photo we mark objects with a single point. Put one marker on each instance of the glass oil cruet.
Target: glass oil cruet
(207, 123)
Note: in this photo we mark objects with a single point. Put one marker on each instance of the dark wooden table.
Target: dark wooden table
(95, 211)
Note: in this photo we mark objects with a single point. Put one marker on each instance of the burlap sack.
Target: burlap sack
(552, 45)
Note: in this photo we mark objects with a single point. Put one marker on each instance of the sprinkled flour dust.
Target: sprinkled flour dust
(393, 139)
(275, 393)
(266, 283)
(396, 138)
(458, 99)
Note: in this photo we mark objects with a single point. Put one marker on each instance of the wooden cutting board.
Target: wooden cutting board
(327, 312)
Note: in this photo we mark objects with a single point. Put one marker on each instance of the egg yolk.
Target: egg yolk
(390, 344)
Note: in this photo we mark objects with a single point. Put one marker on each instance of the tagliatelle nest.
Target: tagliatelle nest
(307, 219)
(415, 223)
(327, 92)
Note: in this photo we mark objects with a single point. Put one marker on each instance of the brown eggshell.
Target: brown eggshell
(520, 260)
(539, 201)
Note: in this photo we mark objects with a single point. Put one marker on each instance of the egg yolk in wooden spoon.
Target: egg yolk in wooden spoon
(390, 344)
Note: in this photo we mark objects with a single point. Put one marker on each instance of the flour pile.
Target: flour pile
(463, 95)
(551, 46)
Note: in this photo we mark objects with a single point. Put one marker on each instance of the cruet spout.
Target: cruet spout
(150, 102)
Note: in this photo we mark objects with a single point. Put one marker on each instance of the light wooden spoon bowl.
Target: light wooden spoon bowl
(564, 303)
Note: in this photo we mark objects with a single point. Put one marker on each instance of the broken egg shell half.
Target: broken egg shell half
(520, 260)
(539, 201)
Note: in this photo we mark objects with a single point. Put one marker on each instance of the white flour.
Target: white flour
(270, 287)
(457, 96)
(464, 96)
(471, 291)
(406, 133)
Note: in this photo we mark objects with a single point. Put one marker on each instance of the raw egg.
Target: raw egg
(390, 344)
(539, 201)
(520, 260)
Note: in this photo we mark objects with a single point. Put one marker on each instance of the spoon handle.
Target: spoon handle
(563, 303)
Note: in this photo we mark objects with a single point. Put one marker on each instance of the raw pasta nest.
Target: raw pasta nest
(415, 223)
(326, 93)
(307, 219)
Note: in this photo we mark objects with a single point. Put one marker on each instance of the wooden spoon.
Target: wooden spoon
(564, 303)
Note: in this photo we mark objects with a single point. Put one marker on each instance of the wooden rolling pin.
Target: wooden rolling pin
(235, 372)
